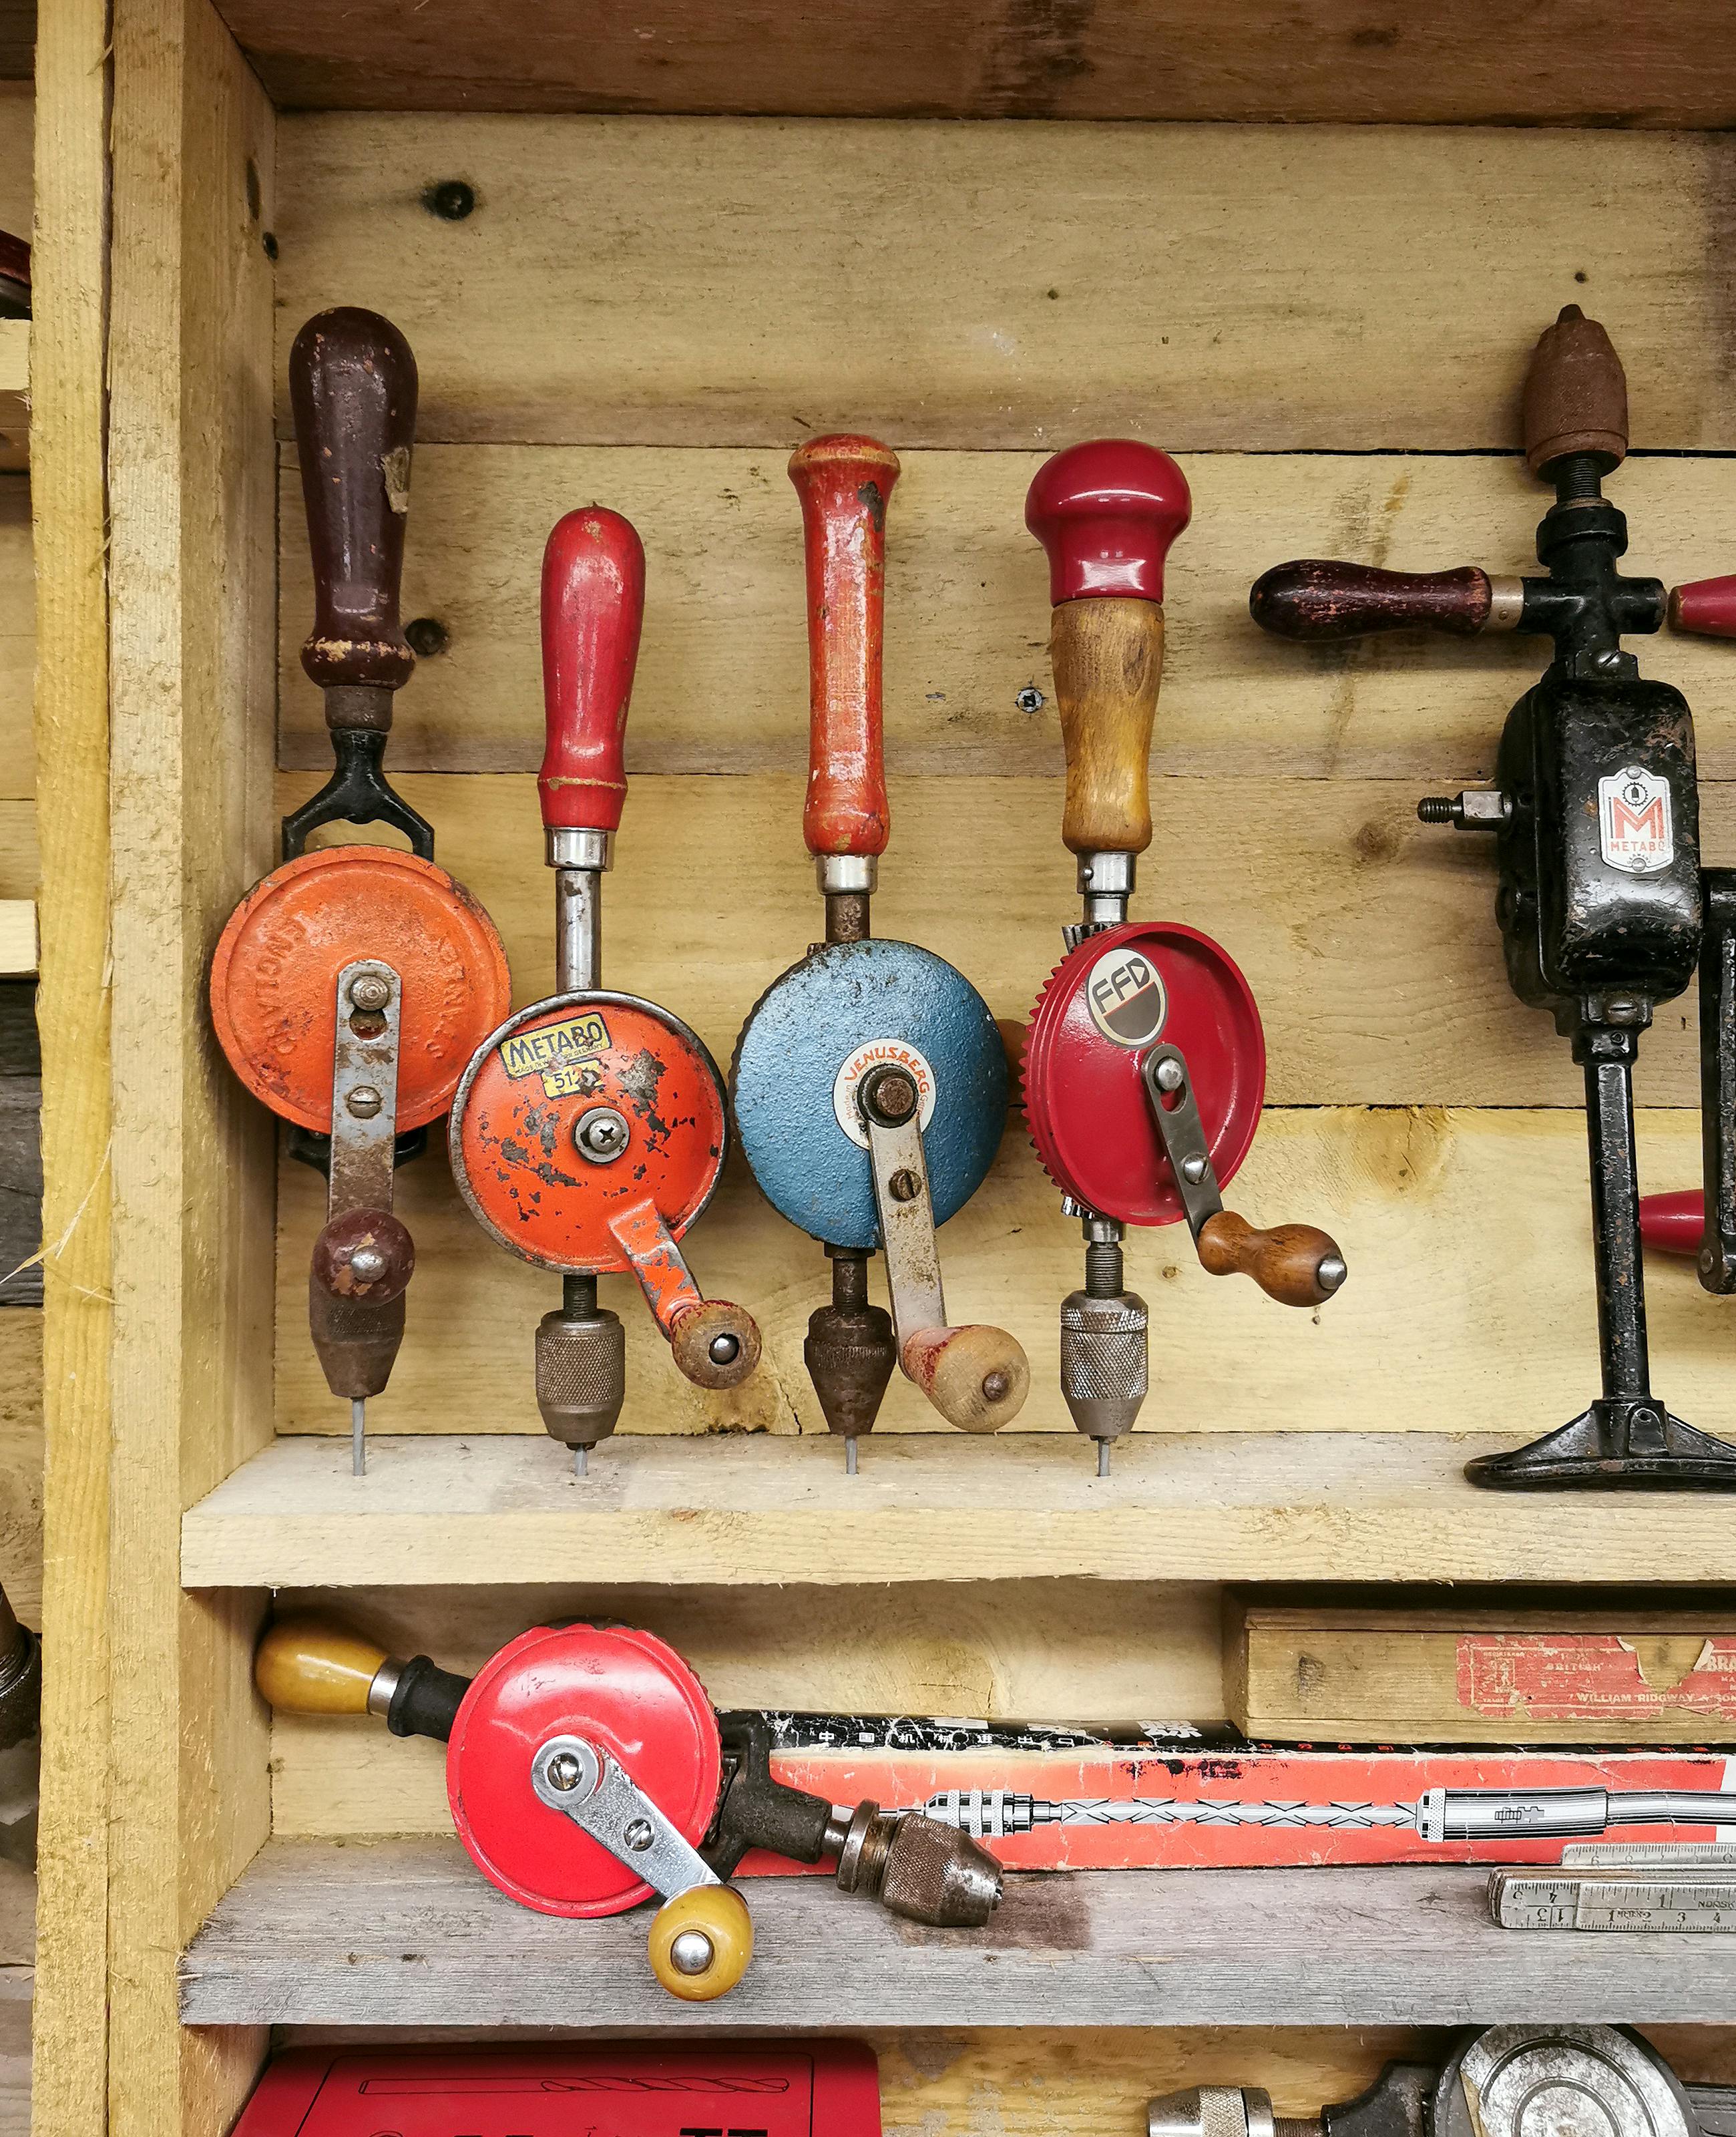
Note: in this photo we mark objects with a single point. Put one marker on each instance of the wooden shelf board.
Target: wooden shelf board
(436, 1510)
(405, 1932)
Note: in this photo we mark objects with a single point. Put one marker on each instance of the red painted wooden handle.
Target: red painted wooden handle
(593, 604)
(1674, 1224)
(352, 389)
(1106, 512)
(1312, 600)
(843, 484)
(1707, 608)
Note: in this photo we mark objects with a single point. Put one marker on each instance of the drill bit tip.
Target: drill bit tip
(359, 1435)
(1102, 1457)
(850, 1454)
(581, 1459)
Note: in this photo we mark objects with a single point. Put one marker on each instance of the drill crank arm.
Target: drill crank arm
(583, 1782)
(702, 1939)
(716, 1344)
(977, 1377)
(364, 1258)
(1297, 1264)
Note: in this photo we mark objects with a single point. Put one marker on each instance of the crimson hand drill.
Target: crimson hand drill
(1604, 908)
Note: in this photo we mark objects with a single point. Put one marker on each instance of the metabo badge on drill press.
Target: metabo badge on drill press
(349, 988)
(869, 1082)
(1145, 1064)
(587, 1772)
(589, 1130)
(1604, 908)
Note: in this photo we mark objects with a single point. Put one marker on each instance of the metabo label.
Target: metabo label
(1126, 998)
(875, 1053)
(1634, 818)
(557, 1053)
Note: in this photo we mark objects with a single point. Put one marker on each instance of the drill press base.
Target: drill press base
(1616, 1445)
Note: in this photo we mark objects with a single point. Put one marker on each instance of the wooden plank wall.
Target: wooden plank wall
(1331, 325)
(650, 314)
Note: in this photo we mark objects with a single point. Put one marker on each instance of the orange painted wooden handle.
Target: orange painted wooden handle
(593, 606)
(1289, 1262)
(843, 484)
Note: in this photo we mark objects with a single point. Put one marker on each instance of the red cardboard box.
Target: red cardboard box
(1047, 1799)
(829, 2089)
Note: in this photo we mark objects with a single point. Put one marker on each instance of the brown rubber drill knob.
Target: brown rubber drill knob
(361, 1266)
(1315, 601)
(1576, 395)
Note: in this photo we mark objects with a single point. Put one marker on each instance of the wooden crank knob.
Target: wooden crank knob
(1297, 1264)
(593, 607)
(1106, 513)
(352, 390)
(843, 484)
(701, 1942)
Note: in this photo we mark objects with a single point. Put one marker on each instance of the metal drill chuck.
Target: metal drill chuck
(1222, 2110)
(582, 1368)
(851, 1352)
(1105, 1368)
(917, 1867)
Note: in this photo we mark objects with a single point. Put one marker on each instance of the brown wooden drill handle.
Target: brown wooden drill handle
(308, 1664)
(1313, 600)
(1297, 1264)
(353, 388)
(1108, 658)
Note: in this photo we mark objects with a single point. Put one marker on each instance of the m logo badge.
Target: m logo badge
(1634, 821)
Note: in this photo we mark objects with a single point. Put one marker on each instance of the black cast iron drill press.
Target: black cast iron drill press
(1604, 908)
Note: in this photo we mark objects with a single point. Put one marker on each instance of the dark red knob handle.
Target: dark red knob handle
(593, 605)
(1707, 608)
(353, 387)
(1106, 512)
(843, 484)
(1313, 600)
(1674, 1224)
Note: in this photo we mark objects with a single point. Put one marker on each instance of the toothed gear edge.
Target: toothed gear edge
(1049, 1011)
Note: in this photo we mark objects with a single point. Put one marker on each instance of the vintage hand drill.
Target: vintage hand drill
(1604, 908)
(1145, 1064)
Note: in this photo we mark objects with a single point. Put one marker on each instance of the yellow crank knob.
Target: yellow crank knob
(701, 1942)
(307, 1664)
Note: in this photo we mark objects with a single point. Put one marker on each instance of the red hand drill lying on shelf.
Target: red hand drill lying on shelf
(587, 1771)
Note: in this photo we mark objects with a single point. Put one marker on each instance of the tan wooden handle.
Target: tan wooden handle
(977, 1377)
(1297, 1264)
(313, 1665)
(1108, 658)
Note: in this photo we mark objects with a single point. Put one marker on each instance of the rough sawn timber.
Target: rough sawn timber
(627, 281)
(722, 685)
(407, 1933)
(762, 1511)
